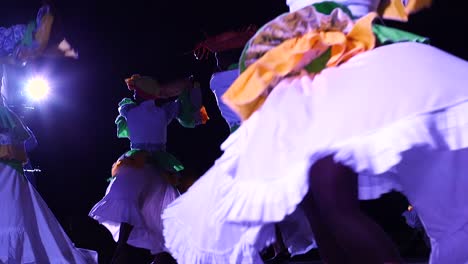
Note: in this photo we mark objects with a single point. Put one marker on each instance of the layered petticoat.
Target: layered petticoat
(136, 196)
(194, 236)
(397, 115)
(29, 232)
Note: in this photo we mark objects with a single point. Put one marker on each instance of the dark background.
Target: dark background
(75, 127)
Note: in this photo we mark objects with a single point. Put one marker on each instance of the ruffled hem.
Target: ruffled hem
(226, 242)
(118, 211)
(112, 214)
(179, 241)
(373, 155)
(29, 232)
(19, 249)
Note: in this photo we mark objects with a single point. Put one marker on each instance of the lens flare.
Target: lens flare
(37, 89)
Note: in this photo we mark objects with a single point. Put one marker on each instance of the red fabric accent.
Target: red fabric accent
(225, 41)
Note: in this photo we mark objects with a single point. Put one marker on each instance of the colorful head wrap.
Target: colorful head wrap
(319, 35)
(387, 9)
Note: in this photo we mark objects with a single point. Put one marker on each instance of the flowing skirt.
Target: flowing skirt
(396, 115)
(193, 234)
(136, 196)
(29, 232)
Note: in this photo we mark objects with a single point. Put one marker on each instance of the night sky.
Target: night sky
(75, 127)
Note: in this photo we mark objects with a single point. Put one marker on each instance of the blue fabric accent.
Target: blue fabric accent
(10, 37)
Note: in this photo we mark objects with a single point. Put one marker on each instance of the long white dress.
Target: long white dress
(29, 231)
(396, 115)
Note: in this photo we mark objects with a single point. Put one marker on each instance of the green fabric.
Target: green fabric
(121, 121)
(126, 101)
(242, 65)
(17, 165)
(167, 161)
(233, 66)
(319, 63)
(28, 35)
(327, 8)
(11, 123)
(388, 35)
(324, 7)
(161, 159)
(187, 111)
(234, 128)
(122, 128)
(7, 120)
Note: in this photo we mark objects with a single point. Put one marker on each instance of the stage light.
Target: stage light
(37, 89)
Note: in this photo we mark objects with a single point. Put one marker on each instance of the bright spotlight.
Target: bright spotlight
(37, 88)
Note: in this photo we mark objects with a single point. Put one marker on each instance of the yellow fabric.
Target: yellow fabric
(43, 32)
(250, 89)
(395, 10)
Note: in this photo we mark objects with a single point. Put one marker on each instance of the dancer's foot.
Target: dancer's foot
(282, 257)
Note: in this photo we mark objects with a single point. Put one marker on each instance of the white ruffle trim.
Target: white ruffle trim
(373, 155)
(185, 250)
(117, 211)
(19, 247)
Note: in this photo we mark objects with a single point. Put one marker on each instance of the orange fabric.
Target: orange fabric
(250, 89)
(204, 115)
(138, 161)
(395, 10)
(13, 152)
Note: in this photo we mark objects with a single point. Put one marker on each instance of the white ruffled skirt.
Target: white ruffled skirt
(137, 197)
(193, 234)
(29, 232)
(397, 115)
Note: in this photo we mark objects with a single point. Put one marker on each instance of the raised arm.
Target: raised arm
(190, 111)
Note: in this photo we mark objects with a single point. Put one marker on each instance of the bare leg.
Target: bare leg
(330, 251)
(119, 255)
(334, 202)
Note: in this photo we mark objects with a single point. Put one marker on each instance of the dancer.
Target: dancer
(30, 233)
(333, 113)
(144, 177)
(227, 48)
(25, 42)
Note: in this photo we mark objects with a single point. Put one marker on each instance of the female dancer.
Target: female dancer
(143, 178)
(29, 231)
(334, 114)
